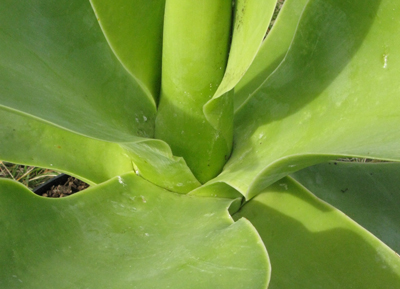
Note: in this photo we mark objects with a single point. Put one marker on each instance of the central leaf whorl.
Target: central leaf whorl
(195, 51)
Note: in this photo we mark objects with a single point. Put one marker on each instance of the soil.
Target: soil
(71, 186)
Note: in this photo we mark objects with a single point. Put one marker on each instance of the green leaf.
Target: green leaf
(313, 245)
(333, 95)
(369, 193)
(57, 69)
(25, 140)
(154, 161)
(126, 233)
(249, 27)
(251, 20)
(195, 52)
(134, 32)
(56, 65)
(217, 190)
(272, 51)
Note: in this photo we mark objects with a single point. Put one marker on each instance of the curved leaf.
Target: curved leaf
(126, 233)
(134, 32)
(56, 65)
(195, 52)
(333, 95)
(25, 140)
(249, 27)
(217, 190)
(369, 193)
(313, 245)
(154, 161)
(272, 51)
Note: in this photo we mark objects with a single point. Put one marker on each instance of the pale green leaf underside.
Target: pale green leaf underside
(126, 233)
(272, 51)
(313, 245)
(56, 65)
(134, 32)
(369, 193)
(334, 94)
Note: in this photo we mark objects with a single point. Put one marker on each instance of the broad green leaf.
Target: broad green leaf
(134, 32)
(272, 51)
(334, 94)
(313, 245)
(25, 140)
(56, 65)
(126, 233)
(369, 193)
(195, 51)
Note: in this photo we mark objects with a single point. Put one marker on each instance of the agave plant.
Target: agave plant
(209, 149)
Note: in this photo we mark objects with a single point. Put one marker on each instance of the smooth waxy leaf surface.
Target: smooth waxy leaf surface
(272, 51)
(220, 190)
(126, 233)
(134, 32)
(313, 245)
(249, 27)
(195, 52)
(56, 65)
(33, 142)
(154, 161)
(250, 22)
(336, 79)
(369, 193)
